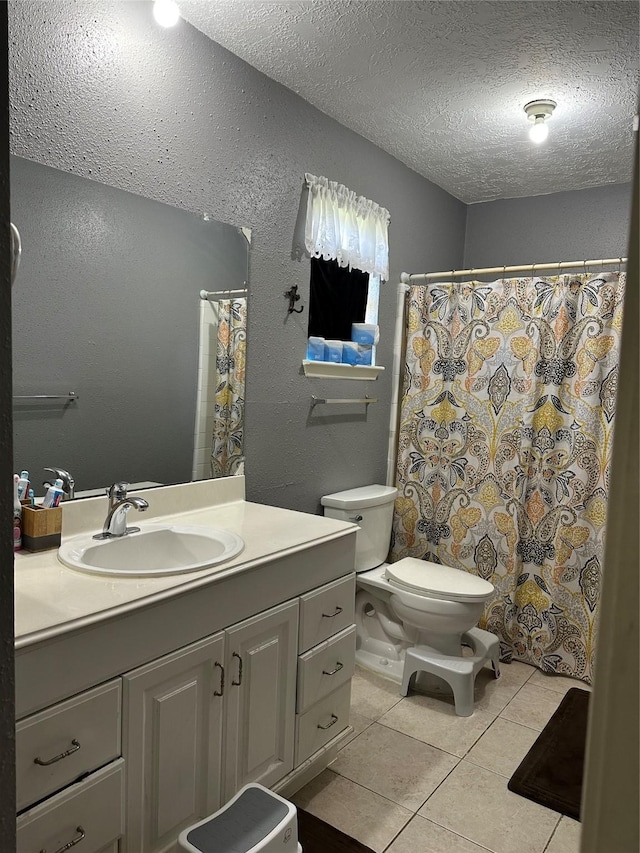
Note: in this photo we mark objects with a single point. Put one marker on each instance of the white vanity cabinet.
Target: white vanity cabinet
(184, 694)
(203, 721)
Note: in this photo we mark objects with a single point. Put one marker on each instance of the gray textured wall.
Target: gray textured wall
(567, 226)
(99, 90)
(107, 305)
(7, 724)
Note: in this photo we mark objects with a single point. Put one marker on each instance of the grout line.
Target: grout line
(337, 772)
(555, 829)
(399, 833)
(375, 793)
(478, 739)
(424, 742)
(558, 696)
(439, 784)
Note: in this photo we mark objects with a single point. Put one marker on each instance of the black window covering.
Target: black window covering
(338, 299)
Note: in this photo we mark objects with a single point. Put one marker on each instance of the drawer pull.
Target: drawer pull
(334, 720)
(221, 691)
(339, 666)
(74, 748)
(331, 615)
(239, 681)
(71, 843)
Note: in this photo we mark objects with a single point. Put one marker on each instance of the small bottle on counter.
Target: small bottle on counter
(23, 485)
(17, 516)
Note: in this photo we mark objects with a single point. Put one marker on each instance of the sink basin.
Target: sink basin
(154, 550)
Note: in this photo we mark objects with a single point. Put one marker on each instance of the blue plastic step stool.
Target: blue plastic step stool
(255, 820)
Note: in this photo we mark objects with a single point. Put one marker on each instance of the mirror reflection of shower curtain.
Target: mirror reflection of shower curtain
(227, 453)
(504, 453)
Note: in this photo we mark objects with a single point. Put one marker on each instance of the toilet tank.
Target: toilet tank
(371, 507)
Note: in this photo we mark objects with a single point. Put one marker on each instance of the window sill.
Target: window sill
(332, 370)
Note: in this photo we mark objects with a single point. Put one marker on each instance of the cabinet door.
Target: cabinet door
(261, 695)
(172, 738)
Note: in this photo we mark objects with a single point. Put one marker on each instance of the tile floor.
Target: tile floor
(415, 778)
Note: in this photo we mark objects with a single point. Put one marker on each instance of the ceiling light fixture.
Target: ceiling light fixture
(538, 112)
(166, 12)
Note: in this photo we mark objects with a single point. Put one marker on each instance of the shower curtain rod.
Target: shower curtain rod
(407, 278)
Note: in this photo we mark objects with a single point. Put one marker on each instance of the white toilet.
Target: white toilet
(413, 617)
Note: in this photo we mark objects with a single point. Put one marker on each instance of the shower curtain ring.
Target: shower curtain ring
(619, 266)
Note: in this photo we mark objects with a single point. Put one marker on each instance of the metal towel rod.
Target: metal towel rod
(366, 400)
(70, 396)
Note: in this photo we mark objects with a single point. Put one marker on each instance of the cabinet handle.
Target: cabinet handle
(339, 666)
(239, 681)
(74, 748)
(331, 615)
(71, 843)
(334, 720)
(221, 691)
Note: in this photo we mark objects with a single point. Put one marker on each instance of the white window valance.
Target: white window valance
(350, 229)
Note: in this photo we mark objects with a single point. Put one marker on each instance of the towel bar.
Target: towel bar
(366, 400)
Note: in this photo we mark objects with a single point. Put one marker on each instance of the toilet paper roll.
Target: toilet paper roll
(365, 333)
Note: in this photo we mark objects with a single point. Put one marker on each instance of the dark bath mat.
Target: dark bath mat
(316, 836)
(551, 772)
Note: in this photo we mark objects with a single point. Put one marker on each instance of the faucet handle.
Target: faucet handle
(117, 492)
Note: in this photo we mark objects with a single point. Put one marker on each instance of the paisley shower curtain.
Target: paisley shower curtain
(504, 451)
(227, 453)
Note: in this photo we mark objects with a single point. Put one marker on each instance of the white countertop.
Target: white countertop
(51, 599)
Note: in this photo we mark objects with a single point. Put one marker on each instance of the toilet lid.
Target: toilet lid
(422, 577)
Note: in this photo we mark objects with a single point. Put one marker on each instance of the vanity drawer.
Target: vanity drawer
(325, 611)
(326, 667)
(93, 807)
(322, 722)
(91, 719)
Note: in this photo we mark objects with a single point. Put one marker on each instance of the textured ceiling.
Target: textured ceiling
(442, 85)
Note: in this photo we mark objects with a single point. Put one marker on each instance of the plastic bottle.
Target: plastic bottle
(54, 495)
(17, 516)
(23, 485)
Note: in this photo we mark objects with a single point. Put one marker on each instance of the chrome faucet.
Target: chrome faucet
(120, 503)
(68, 483)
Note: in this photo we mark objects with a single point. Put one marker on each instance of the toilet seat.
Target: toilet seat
(420, 577)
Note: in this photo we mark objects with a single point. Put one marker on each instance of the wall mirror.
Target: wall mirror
(107, 305)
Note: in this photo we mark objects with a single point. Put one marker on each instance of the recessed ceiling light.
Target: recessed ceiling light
(166, 12)
(538, 112)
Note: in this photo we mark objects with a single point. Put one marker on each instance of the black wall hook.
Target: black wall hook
(293, 296)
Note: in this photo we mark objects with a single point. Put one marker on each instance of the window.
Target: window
(347, 238)
(338, 299)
